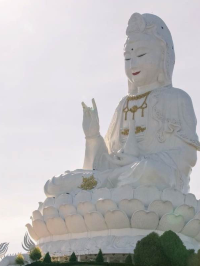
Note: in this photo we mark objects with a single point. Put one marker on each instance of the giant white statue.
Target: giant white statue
(136, 179)
(152, 138)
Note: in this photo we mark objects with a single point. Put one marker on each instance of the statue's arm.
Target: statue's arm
(94, 149)
(95, 146)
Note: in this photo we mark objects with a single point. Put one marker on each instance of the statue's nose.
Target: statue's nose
(133, 62)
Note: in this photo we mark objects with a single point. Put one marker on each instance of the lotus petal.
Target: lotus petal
(37, 215)
(49, 202)
(191, 200)
(173, 195)
(120, 193)
(171, 222)
(105, 205)
(31, 232)
(192, 228)
(147, 194)
(130, 206)
(95, 221)
(186, 211)
(85, 207)
(101, 193)
(75, 223)
(116, 219)
(56, 226)
(40, 207)
(82, 196)
(161, 207)
(50, 212)
(144, 220)
(62, 200)
(40, 228)
(66, 210)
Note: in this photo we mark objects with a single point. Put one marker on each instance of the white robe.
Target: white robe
(168, 151)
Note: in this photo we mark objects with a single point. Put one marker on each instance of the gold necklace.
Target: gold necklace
(135, 107)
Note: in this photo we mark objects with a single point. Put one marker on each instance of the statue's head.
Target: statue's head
(148, 51)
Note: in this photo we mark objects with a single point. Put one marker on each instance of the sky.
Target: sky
(54, 54)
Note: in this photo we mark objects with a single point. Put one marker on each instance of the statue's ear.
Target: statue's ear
(132, 89)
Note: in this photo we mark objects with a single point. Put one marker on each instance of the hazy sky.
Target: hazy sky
(53, 55)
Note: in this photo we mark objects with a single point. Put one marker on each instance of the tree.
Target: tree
(99, 257)
(149, 252)
(73, 257)
(174, 248)
(47, 258)
(128, 259)
(35, 254)
(193, 260)
(198, 254)
(19, 259)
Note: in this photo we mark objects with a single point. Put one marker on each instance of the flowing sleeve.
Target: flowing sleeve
(112, 138)
(187, 131)
(174, 113)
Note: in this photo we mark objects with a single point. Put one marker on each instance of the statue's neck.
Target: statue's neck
(149, 87)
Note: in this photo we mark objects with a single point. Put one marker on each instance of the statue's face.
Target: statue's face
(143, 59)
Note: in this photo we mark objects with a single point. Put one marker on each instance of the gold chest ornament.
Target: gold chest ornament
(134, 109)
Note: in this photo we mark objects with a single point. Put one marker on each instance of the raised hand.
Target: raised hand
(90, 120)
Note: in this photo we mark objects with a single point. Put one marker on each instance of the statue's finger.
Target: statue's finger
(84, 105)
(94, 104)
(95, 109)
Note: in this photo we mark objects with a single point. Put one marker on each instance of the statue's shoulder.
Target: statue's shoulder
(176, 94)
(121, 102)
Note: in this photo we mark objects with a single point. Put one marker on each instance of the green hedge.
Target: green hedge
(149, 252)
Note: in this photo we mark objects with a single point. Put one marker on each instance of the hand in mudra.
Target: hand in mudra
(90, 120)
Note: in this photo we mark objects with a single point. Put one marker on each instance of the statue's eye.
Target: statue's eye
(141, 55)
(127, 59)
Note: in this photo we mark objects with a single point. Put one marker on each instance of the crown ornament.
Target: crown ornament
(136, 24)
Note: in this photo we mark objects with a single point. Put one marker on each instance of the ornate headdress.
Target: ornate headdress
(153, 25)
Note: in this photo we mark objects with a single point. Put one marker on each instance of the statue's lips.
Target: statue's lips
(136, 73)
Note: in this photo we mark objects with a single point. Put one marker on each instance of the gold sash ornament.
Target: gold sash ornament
(138, 130)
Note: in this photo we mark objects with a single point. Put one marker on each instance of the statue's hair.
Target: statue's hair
(153, 25)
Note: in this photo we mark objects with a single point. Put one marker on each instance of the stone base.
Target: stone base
(115, 241)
